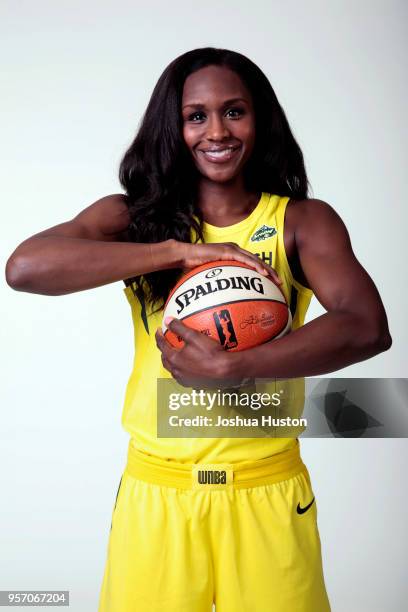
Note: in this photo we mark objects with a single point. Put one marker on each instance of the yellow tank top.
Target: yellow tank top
(261, 233)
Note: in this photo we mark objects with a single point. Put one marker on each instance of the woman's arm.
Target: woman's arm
(93, 250)
(86, 252)
(354, 327)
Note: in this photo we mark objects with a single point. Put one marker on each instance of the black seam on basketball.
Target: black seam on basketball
(177, 287)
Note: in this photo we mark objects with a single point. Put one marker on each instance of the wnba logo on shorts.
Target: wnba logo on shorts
(212, 477)
(225, 329)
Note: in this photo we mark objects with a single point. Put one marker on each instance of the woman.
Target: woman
(213, 173)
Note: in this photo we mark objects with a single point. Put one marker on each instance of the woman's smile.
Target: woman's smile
(220, 155)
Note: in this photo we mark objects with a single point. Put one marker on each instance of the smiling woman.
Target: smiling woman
(218, 130)
(176, 173)
(214, 173)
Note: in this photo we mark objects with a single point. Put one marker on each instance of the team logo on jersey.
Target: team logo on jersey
(263, 233)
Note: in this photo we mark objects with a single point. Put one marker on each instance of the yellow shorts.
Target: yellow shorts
(243, 536)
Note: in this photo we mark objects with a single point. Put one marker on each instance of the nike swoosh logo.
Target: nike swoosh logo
(300, 510)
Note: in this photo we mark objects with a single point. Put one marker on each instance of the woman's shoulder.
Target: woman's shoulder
(309, 206)
(309, 222)
(111, 215)
(310, 211)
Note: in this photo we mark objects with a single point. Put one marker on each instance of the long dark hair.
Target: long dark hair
(160, 178)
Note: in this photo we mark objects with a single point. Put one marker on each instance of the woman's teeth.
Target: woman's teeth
(224, 154)
(220, 153)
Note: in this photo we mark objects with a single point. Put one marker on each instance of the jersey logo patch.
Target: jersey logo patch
(263, 233)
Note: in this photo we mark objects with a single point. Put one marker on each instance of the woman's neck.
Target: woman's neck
(224, 204)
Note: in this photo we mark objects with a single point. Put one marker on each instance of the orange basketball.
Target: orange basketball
(229, 302)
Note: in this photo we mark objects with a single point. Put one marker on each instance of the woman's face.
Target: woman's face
(218, 122)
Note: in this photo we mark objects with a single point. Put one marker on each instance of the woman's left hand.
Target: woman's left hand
(200, 362)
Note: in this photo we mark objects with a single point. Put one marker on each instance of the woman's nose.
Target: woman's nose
(216, 128)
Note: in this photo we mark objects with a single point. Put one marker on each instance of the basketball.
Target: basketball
(230, 302)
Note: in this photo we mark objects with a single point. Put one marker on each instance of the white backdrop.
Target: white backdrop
(78, 76)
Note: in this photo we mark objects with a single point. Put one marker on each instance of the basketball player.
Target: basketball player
(215, 161)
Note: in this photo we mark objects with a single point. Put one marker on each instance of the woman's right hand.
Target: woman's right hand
(193, 255)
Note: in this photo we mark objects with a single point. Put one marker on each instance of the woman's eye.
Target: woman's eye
(194, 115)
(236, 111)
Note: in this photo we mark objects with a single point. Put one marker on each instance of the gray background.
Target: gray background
(77, 77)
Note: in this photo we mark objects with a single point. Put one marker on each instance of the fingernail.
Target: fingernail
(167, 320)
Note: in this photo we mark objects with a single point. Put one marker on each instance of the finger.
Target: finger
(273, 274)
(159, 338)
(177, 327)
(251, 259)
(276, 278)
(162, 344)
(166, 364)
(177, 376)
(262, 266)
(259, 265)
(168, 359)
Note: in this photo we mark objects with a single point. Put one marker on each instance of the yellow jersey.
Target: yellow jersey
(260, 233)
